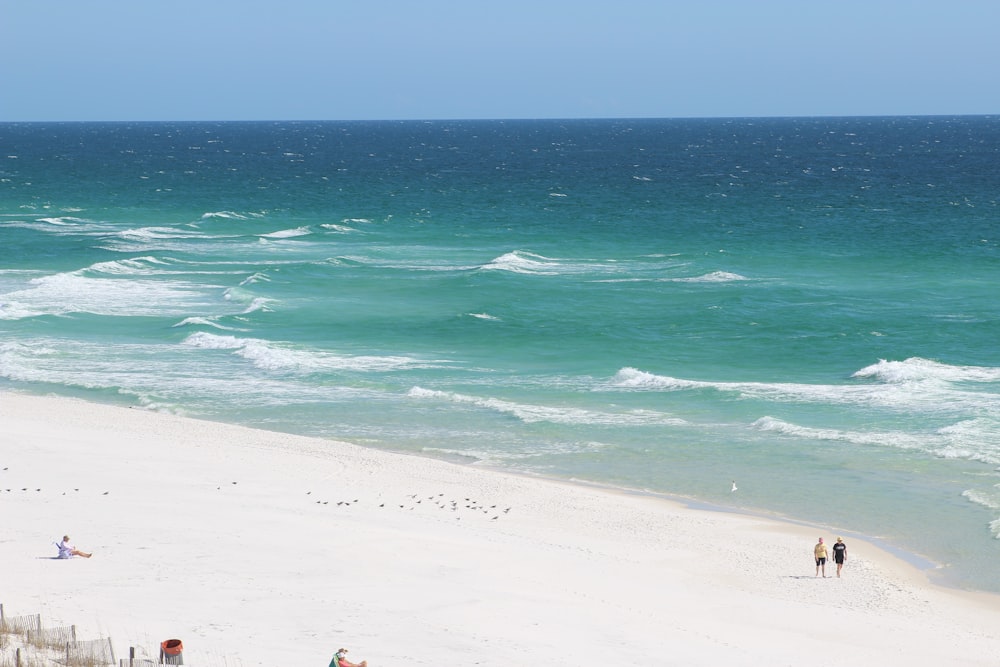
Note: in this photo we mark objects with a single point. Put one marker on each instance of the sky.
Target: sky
(67, 60)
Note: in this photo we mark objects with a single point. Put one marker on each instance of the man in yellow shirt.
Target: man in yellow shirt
(819, 551)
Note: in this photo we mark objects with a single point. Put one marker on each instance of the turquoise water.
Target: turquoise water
(807, 306)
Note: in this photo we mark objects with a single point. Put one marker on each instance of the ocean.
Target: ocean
(807, 306)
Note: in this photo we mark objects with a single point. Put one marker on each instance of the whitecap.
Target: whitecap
(258, 304)
(255, 278)
(916, 369)
(120, 267)
(271, 356)
(287, 233)
(485, 316)
(76, 293)
(203, 321)
(251, 302)
(894, 439)
(633, 378)
(157, 234)
(62, 221)
(542, 413)
(928, 397)
(224, 215)
(713, 277)
(522, 262)
(985, 499)
(936, 444)
(13, 310)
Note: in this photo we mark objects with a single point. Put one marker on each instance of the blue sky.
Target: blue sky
(419, 59)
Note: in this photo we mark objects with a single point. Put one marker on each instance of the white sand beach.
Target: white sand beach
(259, 548)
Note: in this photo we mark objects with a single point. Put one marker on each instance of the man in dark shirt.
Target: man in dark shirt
(840, 553)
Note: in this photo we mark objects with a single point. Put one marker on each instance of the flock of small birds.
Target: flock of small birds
(409, 503)
(26, 488)
(439, 501)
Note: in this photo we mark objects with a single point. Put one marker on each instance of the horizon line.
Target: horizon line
(499, 119)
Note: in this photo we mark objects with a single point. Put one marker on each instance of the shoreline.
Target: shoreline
(927, 565)
(210, 532)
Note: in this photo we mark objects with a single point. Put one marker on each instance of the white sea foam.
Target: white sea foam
(150, 374)
(230, 215)
(926, 397)
(499, 455)
(895, 439)
(522, 262)
(916, 369)
(62, 221)
(713, 277)
(133, 266)
(632, 378)
(990, 499)
(250, 302)
(258, 304)
(970, 446)
(14, 310)
(18, 361)
(203, 321)
(76, 293)
(271, 356)
(984, 498)
(542, 413)
(485, 316)
(158, 233)
(287, 233)
(255, 278)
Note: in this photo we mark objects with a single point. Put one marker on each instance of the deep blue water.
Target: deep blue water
(805, 305)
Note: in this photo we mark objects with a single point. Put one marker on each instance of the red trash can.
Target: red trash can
(172, 652)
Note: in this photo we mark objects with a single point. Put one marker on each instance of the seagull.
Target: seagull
(733, 490)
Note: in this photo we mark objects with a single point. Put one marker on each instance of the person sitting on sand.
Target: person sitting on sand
(67, 550)
(340, 660)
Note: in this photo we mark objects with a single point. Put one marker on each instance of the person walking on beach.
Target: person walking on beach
(819, 551)
(839, 554)
(67, 550)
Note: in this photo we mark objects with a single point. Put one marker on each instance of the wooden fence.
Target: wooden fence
(19, 625)
(60, 646)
